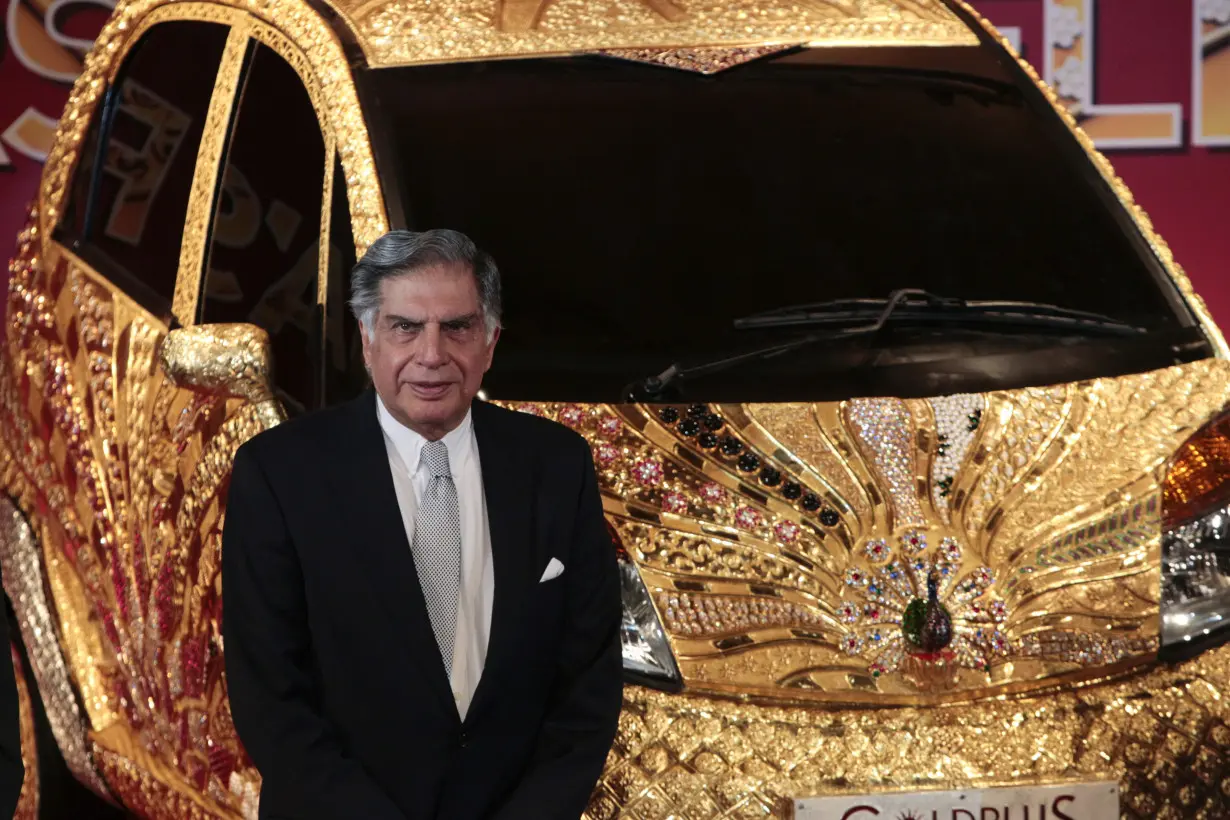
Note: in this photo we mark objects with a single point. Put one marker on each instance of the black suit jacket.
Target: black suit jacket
(335, 681)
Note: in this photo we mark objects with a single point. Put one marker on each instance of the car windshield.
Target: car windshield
(636, 211)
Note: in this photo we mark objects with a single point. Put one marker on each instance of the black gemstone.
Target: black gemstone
(792, 490)
(770, 477)
(811, 502)
(749, 462)
(829, 518)
(713, 422)
(698, 410)
(669, 415)
(707, 440)
(688, 427)
(731, 446)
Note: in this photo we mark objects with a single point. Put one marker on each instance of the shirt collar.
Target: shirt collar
(409, 444)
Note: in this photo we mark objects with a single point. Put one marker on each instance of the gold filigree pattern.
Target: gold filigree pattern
(128, 483)
(1045, 563)
(700, 60)
(22, 561)
(1161, 732)
(795, 427)
(1022, 425)
(400, 33)
(214, 137)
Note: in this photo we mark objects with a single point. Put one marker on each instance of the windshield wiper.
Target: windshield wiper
(928, 308)
(922, 308)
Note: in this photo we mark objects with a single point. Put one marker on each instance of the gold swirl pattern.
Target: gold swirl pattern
(1044, 563)
(125, 489)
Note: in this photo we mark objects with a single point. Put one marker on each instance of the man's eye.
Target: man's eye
(404, 327)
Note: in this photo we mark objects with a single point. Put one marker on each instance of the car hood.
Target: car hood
(790, 549)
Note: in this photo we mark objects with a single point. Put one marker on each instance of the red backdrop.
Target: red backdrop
(1143, 52)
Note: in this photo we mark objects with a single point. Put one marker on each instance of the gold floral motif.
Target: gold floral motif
(399, 32)
(1159, 731)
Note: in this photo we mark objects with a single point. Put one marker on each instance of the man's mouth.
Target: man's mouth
(430, 390)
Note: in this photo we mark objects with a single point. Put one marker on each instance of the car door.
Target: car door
(145, 325)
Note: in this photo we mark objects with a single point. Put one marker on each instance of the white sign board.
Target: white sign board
(1072, 801)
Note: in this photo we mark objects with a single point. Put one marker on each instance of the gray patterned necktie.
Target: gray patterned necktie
(437, 547)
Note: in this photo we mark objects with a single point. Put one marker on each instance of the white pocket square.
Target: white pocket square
(554, 570)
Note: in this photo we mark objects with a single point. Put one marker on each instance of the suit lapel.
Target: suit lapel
(508, 491)
(363, 483)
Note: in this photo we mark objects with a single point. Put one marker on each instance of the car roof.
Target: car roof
(697, 34)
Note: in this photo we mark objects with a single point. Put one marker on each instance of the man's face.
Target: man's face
(427, 349)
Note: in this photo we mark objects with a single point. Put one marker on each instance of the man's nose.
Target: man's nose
(430, 352)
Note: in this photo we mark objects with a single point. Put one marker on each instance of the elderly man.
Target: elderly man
(421, 603)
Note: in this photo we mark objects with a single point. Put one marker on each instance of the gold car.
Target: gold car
(909, 427)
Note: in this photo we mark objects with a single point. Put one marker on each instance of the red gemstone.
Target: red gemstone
(571, 415)
(748, 518)
(713, 493)
(674, 502)
(609, 426)
(787, 531)
(606, 454)
(648, 472)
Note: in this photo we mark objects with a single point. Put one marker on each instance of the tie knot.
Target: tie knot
(435, 458)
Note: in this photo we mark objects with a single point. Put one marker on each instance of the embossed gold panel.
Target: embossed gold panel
(397, 32)
(1161, 732)
(791, 549)
(122, 474)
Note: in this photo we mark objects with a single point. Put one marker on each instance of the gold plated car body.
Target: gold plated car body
(1037, 512)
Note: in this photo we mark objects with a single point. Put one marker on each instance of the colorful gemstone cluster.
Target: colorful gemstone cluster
(922, 608)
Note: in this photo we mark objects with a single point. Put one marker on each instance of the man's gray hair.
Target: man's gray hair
(399, 253)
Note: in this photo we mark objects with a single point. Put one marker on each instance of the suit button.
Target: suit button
(462, 740)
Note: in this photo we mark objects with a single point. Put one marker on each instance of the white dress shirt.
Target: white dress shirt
(477, 578)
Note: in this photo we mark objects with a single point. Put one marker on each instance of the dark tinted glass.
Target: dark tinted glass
(636, 211)
(345, 376)
(263, 261)
(150, 128)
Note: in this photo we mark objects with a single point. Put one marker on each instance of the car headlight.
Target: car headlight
(1196, 538)
(648, 659)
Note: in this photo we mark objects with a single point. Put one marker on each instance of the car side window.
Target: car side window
(345, 376)
(128, 199)
(262, 266)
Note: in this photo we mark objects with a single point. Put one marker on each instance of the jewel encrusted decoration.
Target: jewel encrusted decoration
(924, 617)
